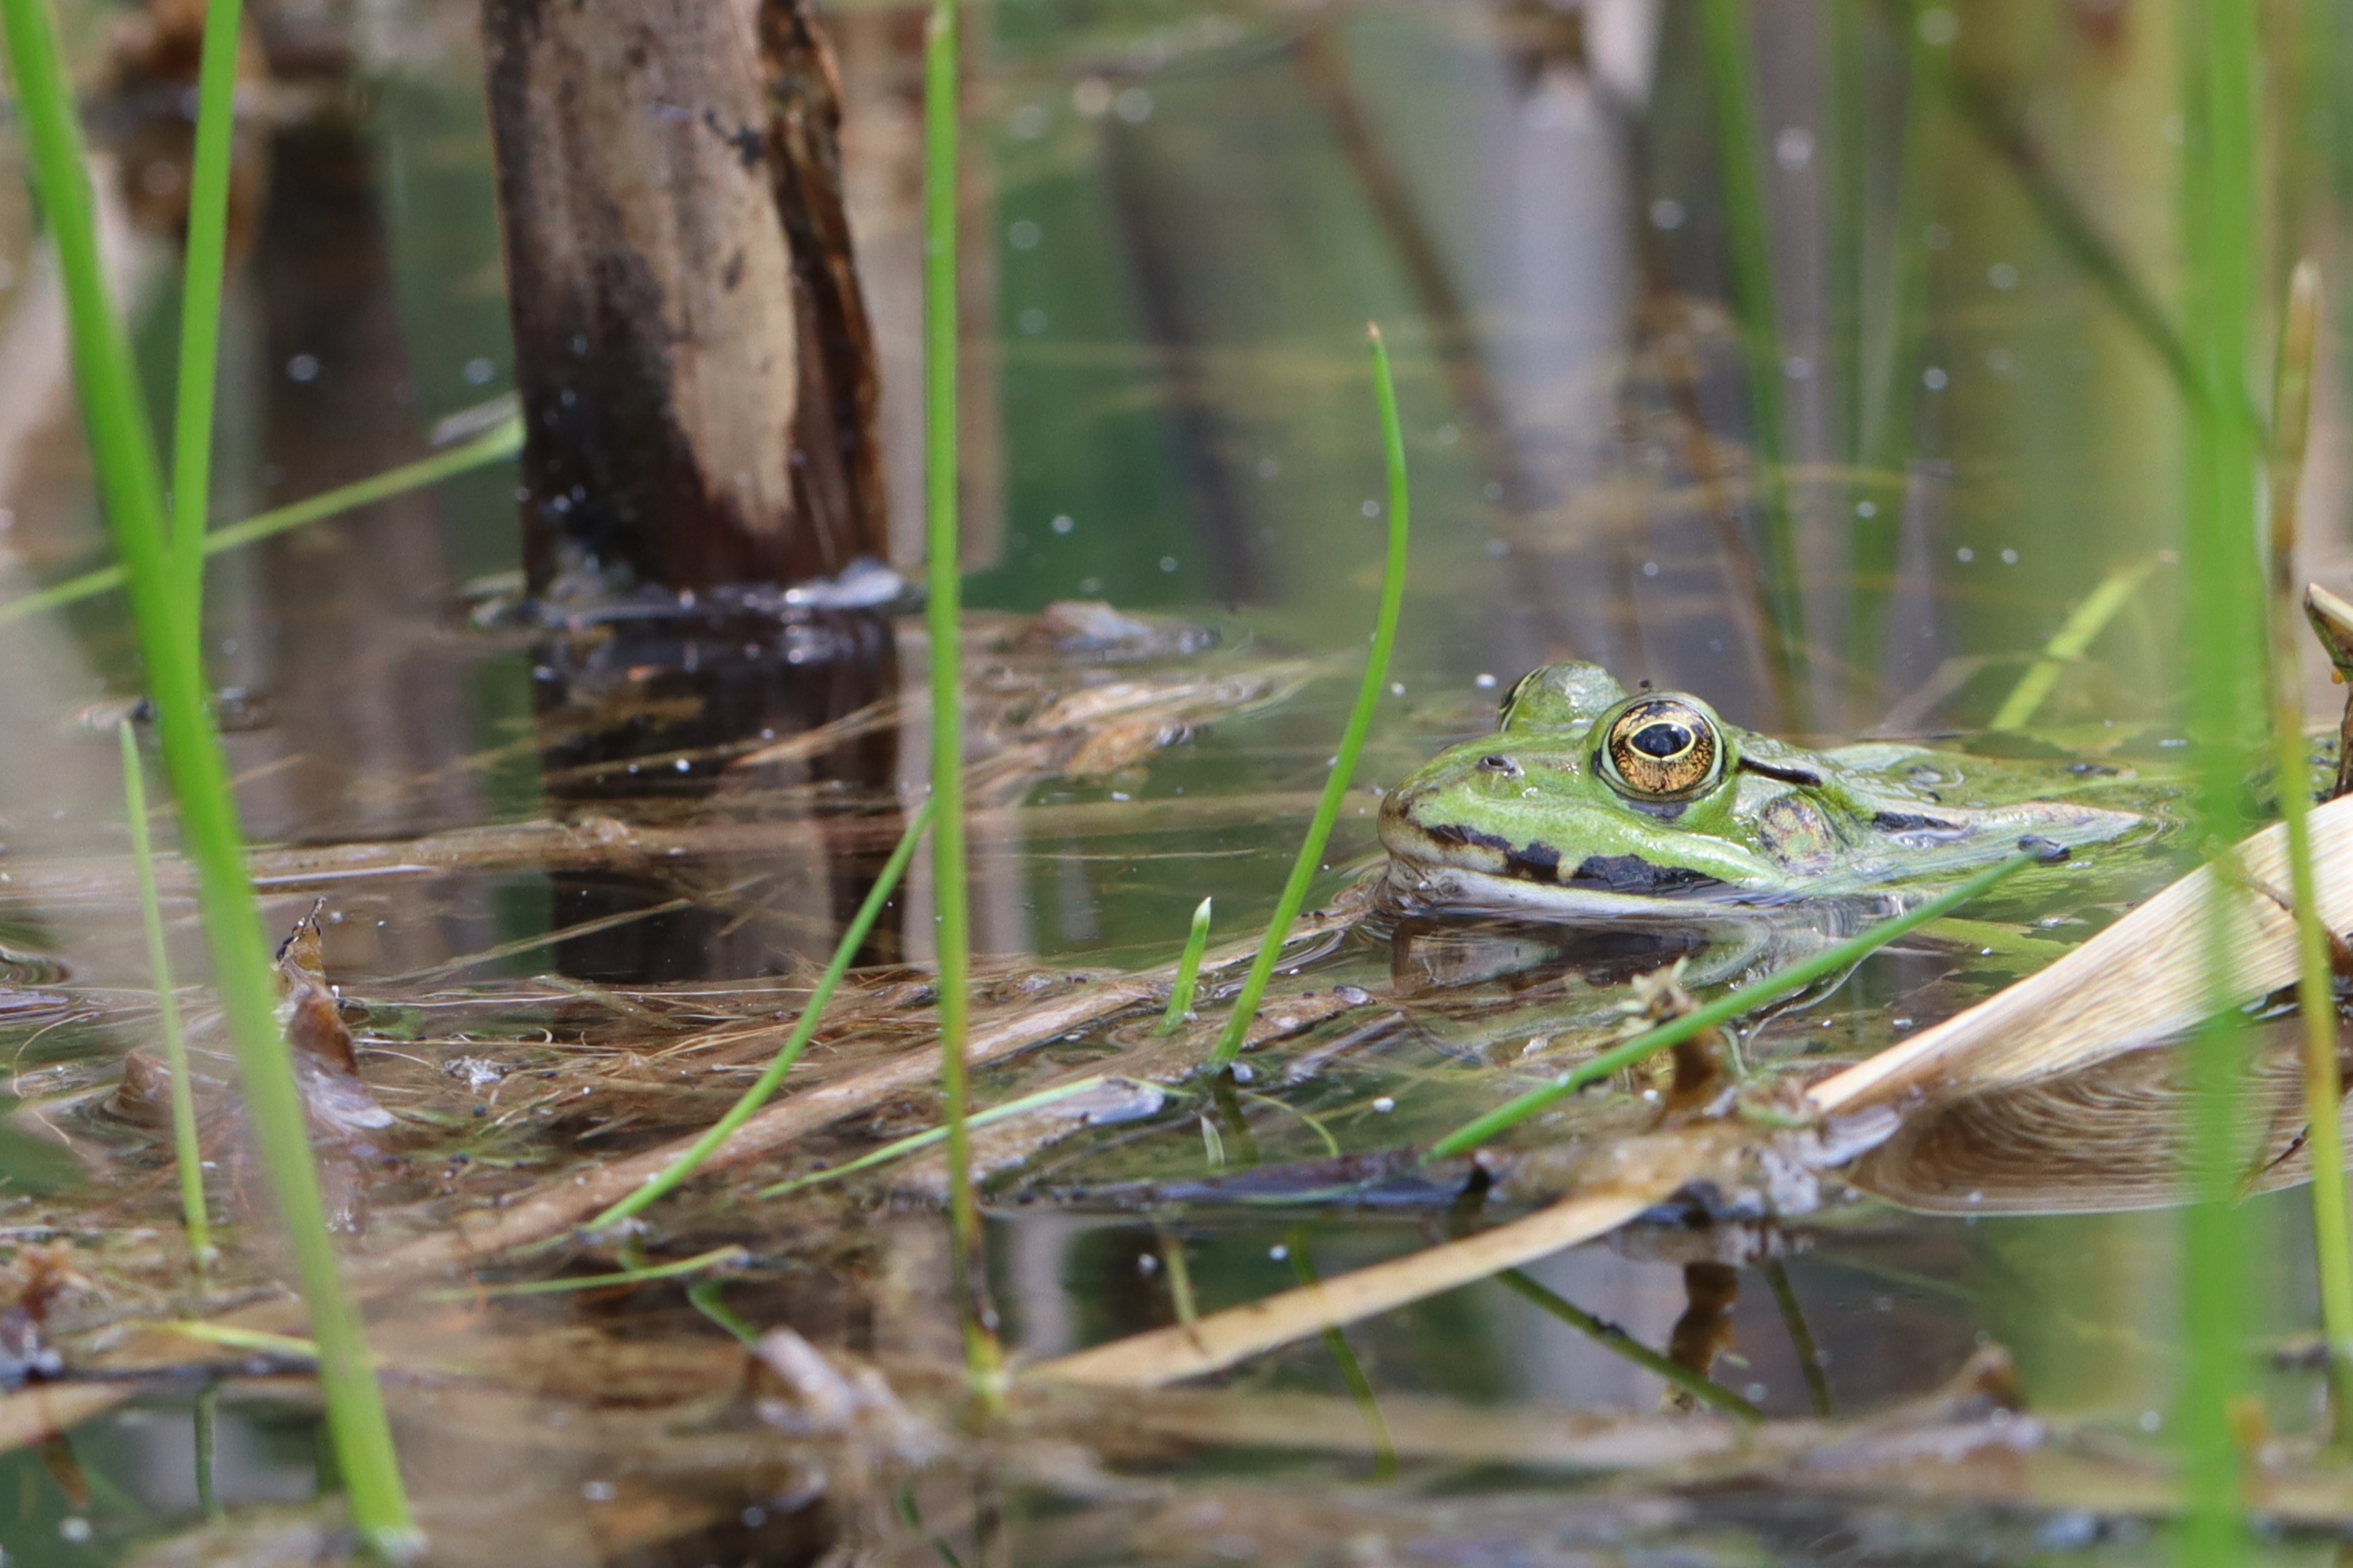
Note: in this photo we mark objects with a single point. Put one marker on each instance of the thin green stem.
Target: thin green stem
(916, 1143)
(706, 1297)
(1801, 1337)
(1180, 1276)
(207, 1424)
(2073, 638)
(2332, 1227)
(1352, 1370)
(944, 617)
(1726, 1008)
(200, 305)
(1188, 974)
(717, 1257)
(771, 1077)
(1360, 720)
(503, 441)
(1748, 245)
(124, 454)
(2222, 228)
(167, 1007)
(1888, 405)
(1618, 1341)
(1845, 205)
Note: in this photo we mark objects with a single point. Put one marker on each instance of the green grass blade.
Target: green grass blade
(706, 1297)
(1845, 210)
(1748, 243)
(1802, 1338)
(1352, 1370)
(1360, 720)
(771, 1077)
(1889, 404)
(2332, 1227)
(717, 1257)
(503, 441)
(1188, 974)
(200, 304)
(184, 1146)
(122, 451)
(1725, 1008)
(1618, 1341)
(2071, 642)
(2221, 229)
(944, 617)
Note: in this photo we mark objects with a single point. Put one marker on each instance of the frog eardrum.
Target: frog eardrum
(1661, 748)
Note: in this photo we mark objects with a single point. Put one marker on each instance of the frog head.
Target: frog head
(1587, 794)
(1589, 798)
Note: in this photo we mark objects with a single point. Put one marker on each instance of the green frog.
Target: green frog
(1592, 799)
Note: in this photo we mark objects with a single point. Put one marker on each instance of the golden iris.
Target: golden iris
(1663, 749)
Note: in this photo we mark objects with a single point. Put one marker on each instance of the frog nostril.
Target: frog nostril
(1500, 765)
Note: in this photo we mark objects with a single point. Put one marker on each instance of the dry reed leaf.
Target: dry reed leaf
(1218, 1340)
(2141, 981)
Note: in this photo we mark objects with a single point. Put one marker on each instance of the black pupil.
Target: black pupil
(1662, 740)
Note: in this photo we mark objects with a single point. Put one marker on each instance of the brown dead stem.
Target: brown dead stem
(1222, 1339)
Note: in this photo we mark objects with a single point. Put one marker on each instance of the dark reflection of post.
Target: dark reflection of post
(645, 725)
(699, 390)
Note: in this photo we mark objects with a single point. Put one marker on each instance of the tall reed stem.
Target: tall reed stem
(953, 932)
(1891, 396)
(1748, 256)
(124, 454)
(1352, 738)
(2220, 226)
(2332, 1229)
(184, 1147)
(200, 306)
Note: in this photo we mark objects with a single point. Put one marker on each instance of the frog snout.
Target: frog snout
(1398, 834)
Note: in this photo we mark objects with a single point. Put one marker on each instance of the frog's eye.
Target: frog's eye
(1663, 748)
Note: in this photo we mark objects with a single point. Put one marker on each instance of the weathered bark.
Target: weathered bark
(691, 346)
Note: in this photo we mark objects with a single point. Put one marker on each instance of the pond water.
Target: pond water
(1179, 217)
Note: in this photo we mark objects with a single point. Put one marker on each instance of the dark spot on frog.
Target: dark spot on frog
(2091, 770)
(1932, 827)
(1468, 837)
(1500, 765)
(1804, 778)
(1539, 863)
(732, 274)
(1632, 874)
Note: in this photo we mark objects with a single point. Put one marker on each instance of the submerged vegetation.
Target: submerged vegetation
(720, 1176)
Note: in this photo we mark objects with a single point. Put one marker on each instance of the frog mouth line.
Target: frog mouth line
(1541, 863)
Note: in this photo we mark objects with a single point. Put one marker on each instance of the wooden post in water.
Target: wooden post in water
(693, 356)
